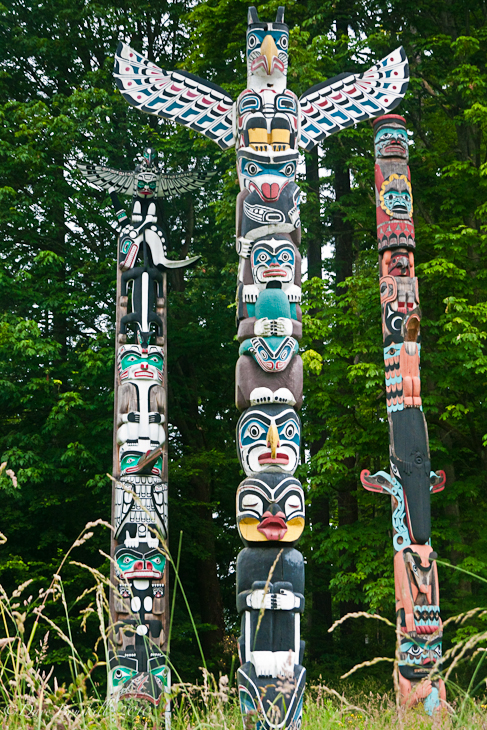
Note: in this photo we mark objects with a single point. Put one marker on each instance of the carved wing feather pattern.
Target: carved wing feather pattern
(175, 95)
(346, 99)
(105, 177)
(182, 183)
(123, 182)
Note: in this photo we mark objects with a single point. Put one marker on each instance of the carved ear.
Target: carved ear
(252, 16)
(280, 14)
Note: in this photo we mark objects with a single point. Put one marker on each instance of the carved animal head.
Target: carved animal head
(267, 48)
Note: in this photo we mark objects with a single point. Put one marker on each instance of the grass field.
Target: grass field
(32, 699)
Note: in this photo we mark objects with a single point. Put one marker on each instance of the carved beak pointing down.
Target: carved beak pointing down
(269, 50)
(273, 440)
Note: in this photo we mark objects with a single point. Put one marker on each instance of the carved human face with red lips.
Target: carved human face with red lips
(268, 439)
(270, 509)
(273, 260)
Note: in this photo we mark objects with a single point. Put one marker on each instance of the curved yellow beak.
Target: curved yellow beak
(269, 50)
(273, 439)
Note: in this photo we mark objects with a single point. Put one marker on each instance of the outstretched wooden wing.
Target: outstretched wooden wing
(105, 177)
(181, 183)
(175, 95)
(123, 182)
(346, 99)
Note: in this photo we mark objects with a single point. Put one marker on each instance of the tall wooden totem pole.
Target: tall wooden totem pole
(410, 480)
(267, 124)
(140, 601)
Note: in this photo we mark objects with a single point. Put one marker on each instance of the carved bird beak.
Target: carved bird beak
(273, 439)
(269, 50)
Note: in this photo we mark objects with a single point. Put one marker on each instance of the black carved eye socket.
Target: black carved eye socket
(285, 257)
(252, 41)
(283, 42)
(254, 431)
(251, 168)
(289, 169)
(415, 651)
(290, 430)
(118, 674)
(262, 257)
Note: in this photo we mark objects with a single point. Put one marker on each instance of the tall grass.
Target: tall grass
(31, 698)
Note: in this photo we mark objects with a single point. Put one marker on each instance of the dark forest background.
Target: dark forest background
(57, 290)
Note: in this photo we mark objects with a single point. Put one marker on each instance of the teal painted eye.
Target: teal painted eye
(141, 184)
(252, 169)
(290, 169)
(152, 185)
(253, 431)
(156, 561)
(121, 675)
(252, 41)
(285, 257)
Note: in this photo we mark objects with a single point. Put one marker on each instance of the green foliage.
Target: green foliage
(57, 294)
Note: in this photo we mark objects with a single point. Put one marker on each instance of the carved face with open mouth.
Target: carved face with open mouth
(270, 509)
(266, 174)
(136, 458)
(132, 564)
(268, 439)
(391, 141)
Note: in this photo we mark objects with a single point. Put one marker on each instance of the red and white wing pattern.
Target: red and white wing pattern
(105, 177)
(175, 95)
(346, 99)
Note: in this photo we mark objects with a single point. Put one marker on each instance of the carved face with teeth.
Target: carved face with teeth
(416, 658)
(391, 139)
(138, 363)
(270, 509)
(133, 564)
(268, 439)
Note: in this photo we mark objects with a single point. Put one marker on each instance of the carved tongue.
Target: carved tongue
(273, 526)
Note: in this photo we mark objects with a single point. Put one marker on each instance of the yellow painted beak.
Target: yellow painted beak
(273, 435)
(269, 50)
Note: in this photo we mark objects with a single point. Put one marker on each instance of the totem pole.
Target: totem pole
(266, 125)
(410, 480)
(140, 603)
